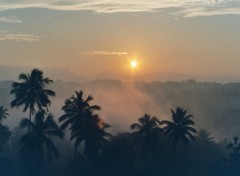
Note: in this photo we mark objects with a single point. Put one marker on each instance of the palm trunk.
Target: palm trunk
(75, 153)
(30, 117)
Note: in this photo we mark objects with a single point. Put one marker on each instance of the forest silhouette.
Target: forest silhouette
(80, 143)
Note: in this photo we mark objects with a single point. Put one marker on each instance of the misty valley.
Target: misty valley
(108, 127)
(119, 88)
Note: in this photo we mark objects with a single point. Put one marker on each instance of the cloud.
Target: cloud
(185, 8)
(4, 36)
(207, 12)
(11, 19)
(106, 53)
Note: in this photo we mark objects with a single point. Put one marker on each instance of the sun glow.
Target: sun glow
(134, 64)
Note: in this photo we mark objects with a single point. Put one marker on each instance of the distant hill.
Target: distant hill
(147, 77)
(165, 76)
(9, 72)
(215, 106)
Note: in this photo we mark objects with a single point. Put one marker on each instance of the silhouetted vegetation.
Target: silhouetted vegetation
(147, 142)
(180, 130)
(5, 164)
(78, 113)
(37, 146)
(151, 147)
(30, 92)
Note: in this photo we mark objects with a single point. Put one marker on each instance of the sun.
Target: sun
(133, 63)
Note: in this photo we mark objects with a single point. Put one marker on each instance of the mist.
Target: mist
(214, 106)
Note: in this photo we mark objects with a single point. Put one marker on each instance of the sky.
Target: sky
(88, 37)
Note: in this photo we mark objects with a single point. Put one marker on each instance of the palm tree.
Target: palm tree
(38, 140)
(4, 130)
(4, 134)
(147, 128)
(147, 137)
(77, 110)
(180, 128)
(235, 151)
(204, 136)
(31, 92)
(93, 135)
(3, 114)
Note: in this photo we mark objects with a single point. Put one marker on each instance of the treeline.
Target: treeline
(154, 147)
(215, 105)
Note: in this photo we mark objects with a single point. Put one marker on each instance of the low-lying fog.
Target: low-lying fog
(215, 107)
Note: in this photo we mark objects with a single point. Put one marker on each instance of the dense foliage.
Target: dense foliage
(152, 146)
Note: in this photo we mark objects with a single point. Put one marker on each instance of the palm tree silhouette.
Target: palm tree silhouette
(38, 140)
(235, 151)
(147, 139)
(3, 114)
(76, 111)
(31, 92)
(4, 134)
(147, 128)
(204, 136)
(4, 130)
(95, 136)
(94, 139)
(180, 128)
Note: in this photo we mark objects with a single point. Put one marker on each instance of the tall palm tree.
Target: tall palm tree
(76, 111)
(30, 92)
(3, 114)
(147, 137)
(38, 142)
(180, 128)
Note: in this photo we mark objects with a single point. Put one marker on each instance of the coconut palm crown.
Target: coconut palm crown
(3, 114)
(180, 128)
(31, 93)
(77, 111)
(38, 142)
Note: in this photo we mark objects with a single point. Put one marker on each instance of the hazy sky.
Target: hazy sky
(199, 37)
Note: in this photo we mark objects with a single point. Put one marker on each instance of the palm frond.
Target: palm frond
(67, 123)
(25, 122)
(24, 77)
(136, 126)
(191, 129)
(89, 98)
(55, 133)
(51, 149)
